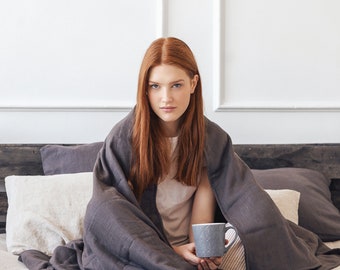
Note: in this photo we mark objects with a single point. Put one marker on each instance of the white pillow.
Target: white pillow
(46, 211)
(287, 201)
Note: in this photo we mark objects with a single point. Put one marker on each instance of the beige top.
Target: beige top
(174, 202)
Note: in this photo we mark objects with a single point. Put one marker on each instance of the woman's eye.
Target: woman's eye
(177, 85)
(154, 86)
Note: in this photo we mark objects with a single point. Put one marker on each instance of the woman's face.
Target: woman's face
(169, 94)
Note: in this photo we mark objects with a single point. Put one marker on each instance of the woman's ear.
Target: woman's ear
(194, 81)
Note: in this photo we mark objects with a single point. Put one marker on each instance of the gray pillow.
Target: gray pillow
(317, 213)
(60, 159)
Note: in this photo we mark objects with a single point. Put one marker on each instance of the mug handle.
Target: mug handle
(230, 243)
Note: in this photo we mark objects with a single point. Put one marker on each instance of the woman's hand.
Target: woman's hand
(187, 252)
(209, 263)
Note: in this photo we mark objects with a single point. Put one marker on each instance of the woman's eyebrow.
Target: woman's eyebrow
(177, 81)
(173, 82)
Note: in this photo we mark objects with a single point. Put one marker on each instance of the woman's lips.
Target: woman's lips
(168, 108)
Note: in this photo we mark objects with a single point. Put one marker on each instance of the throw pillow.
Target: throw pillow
(46, 211)
(61, 159)
(317, 213)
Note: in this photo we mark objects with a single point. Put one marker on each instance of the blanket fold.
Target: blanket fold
(121, 233)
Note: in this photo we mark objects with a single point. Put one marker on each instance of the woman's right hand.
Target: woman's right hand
(187, 252)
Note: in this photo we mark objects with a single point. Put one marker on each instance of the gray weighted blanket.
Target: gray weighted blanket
(121, 233)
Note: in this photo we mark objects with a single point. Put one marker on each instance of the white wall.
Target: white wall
(270, 69)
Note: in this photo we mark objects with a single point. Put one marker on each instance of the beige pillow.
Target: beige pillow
(287, 201)
(46, 211)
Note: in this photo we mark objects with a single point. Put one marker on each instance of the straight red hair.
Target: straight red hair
(151, 157)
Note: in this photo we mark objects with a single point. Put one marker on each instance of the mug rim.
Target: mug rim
(209, 223)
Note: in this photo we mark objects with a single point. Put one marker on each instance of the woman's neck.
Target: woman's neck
(170, 129)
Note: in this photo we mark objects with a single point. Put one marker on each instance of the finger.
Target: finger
(211, 265)
(205, 265)
(216, 260)
(192, 258)
(190, 255)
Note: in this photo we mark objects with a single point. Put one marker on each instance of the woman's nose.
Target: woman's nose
(166, 94)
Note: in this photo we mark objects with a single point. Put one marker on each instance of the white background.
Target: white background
(270, 69)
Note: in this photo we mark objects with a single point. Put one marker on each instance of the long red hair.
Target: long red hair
(151, 157)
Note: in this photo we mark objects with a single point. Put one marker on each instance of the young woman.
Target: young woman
(167, 151)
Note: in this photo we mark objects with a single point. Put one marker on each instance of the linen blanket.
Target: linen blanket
(121, 233)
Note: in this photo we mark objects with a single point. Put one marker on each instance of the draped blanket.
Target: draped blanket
(122, 233)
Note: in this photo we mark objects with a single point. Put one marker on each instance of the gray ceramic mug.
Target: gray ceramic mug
(210, 239)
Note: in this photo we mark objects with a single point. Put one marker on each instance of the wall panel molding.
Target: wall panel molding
(221, 103)
(162, 18)
(81, 107)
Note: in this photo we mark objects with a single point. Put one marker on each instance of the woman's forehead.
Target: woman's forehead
(167, 73)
